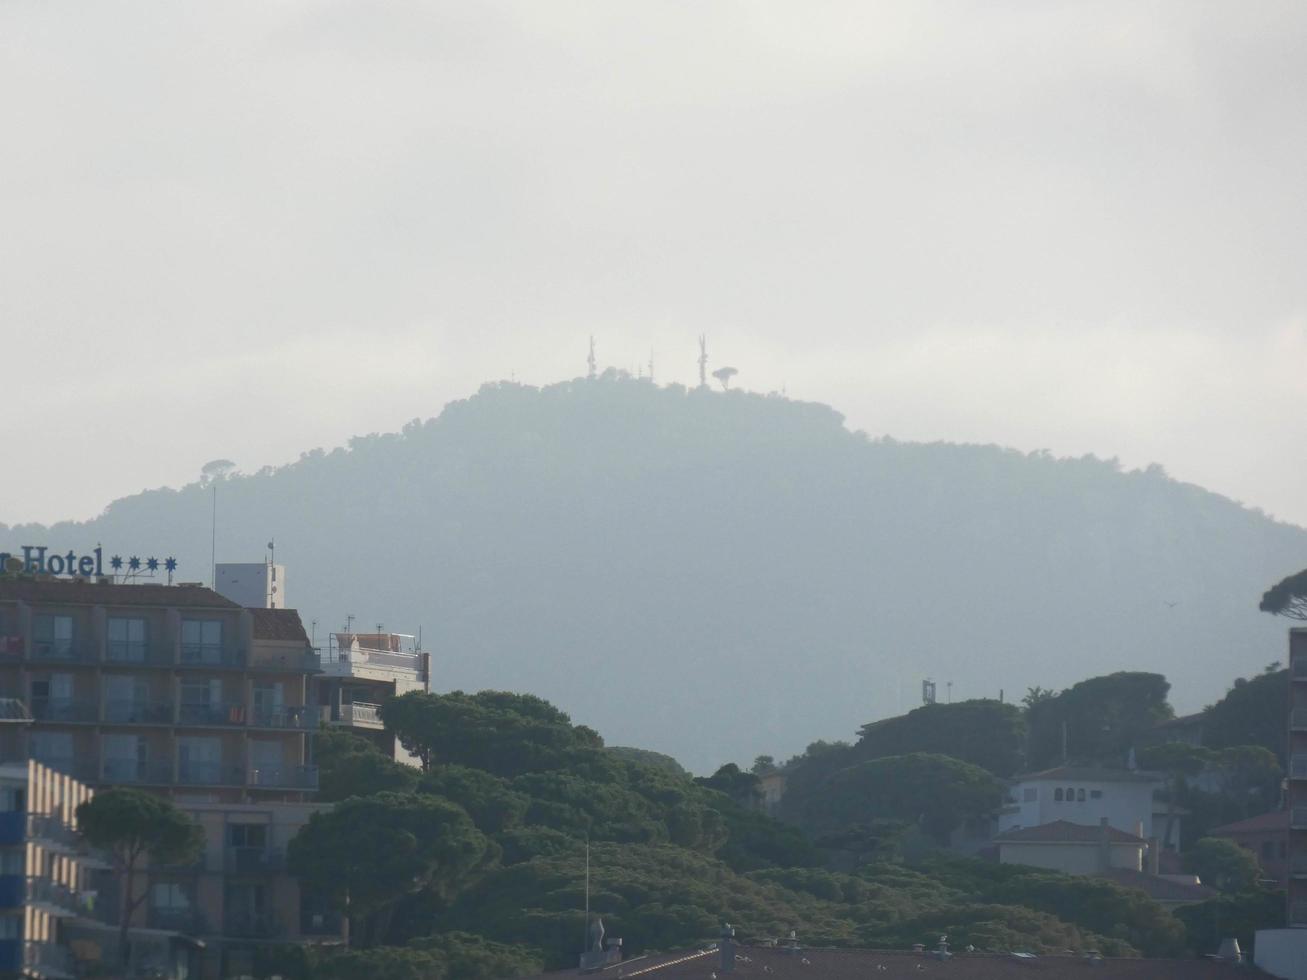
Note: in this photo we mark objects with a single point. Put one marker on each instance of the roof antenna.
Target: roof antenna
(590, 361)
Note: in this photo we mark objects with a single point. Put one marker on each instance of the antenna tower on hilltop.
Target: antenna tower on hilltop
(590, 361)
(703, 361)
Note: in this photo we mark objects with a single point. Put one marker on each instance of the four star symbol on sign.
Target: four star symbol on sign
(134, 563)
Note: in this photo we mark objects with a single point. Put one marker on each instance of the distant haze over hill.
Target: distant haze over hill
(716, 575)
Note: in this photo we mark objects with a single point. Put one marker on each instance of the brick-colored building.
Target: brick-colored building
(1267, 837)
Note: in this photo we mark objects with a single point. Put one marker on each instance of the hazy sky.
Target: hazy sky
(248, 229)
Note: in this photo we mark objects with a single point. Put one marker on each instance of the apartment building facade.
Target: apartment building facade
(360, 672)
(180, 691)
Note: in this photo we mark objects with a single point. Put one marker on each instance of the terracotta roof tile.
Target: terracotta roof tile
(1268, 822)
(278, 624)
(83, 593)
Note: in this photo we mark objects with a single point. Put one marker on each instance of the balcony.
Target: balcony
(62, 652)
(254, 860)
(362, 714)
(137, 771)
(130, 653)
(138, 712)
(284, 777)
(64, 710)
(1298, 766)
(54, 898)
(220, 714)
(47, 960)
(51, 831)
(209, 655)
(295, 716)
(84, 769)
(210, 774)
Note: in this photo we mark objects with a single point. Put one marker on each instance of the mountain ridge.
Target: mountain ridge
(720, 574)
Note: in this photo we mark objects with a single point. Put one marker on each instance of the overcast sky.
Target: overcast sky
(244, 230)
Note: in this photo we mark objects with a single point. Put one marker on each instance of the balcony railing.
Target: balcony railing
(62, 651)
(130, 652)
(254, 860)
(222, 713)
(83, 769)
(64, 710)
(284, 777)
(210, 774)
(288, 716)
(137, 771)
(361, 713)
(50, 829)
(209, 655)
(138, 712)
(53, 896)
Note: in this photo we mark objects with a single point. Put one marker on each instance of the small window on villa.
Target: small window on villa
(1029, 794)
(1057, 795)
(1095, 794)
(1080, 796)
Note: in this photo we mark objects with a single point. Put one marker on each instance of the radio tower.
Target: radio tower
(590, 361)
(703, 361)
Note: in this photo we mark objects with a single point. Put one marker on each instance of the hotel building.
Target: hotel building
(181, 691)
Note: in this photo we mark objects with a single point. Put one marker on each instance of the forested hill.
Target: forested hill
(716, 575)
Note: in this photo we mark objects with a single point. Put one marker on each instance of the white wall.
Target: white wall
(1125, 804)
(1075, 859)
(254, 585)
(1281, 952)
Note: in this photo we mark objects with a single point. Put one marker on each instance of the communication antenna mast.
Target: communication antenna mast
(349, 623)
(651, 366)
(927, 691)
(272, 551)
(590, 361)
(703, 361)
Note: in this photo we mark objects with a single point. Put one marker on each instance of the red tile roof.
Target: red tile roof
(1091, 774)
(82, 593)
(1273, 822)
(1065, 832)
(279, 624)
(766, 963)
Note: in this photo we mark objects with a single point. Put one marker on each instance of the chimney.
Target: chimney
(727, 947)
(1104, 845)
(1154, 856)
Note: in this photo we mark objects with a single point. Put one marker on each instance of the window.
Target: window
(1080, 796)
(169, 895)
(54, 749)
(1029, 794)
(52, 636)
(1070, 794)
(247, 835)
(127, 639)
(124, 757)
(1057, 795)
(202, 640)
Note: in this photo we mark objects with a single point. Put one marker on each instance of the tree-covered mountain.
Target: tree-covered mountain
(714, 575)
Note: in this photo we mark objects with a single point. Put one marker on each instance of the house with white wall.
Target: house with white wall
(1086, 795)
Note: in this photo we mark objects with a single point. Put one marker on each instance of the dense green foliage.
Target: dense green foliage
(676, 566)
(1104, 717)
(129, 824)
(1222, 864)
(1287, 597)
(985, 733)
(1251, 713)
(1240, 916)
